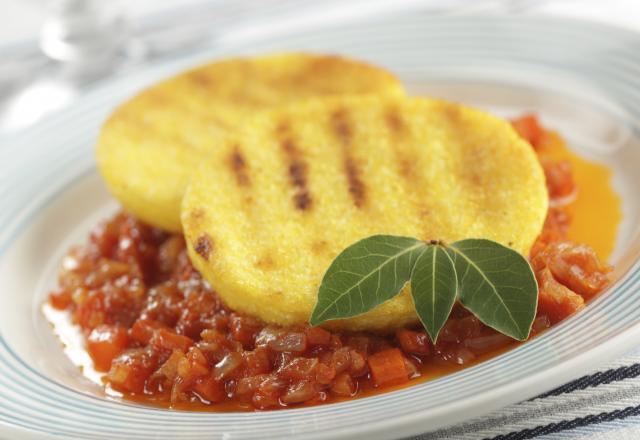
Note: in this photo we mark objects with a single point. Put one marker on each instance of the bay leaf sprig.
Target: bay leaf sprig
(492, 281)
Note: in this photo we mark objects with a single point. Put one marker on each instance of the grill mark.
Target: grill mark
(201, 79)
(406, 166)
(319, 246)
(239, 167)
(266, 262)
(341, 127)
(203, 246)
(397, 129)
(298, 169)
(394, 121)
(344, 132)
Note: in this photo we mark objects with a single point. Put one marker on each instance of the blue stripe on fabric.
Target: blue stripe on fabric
(593, 380)
(566, 425)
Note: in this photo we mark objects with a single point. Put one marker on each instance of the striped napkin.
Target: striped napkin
(604, 404)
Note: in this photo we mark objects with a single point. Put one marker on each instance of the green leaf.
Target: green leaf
(364, 275)
(497, 285)
(434, 288)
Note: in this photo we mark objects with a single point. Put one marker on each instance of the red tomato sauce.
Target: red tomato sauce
(161, 336)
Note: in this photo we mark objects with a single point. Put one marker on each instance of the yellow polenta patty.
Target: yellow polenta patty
(268, 212)
(149, 147)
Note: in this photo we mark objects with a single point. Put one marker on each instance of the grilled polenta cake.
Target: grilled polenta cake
(151, 145)
(268, 212)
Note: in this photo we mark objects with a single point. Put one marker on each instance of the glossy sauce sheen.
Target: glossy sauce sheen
(594, 212)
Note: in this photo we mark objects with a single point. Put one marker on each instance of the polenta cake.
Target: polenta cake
(267, 212)
(150, 145)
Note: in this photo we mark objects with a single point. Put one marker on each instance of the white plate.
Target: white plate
(584, 80)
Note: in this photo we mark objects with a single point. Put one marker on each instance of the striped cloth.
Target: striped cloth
(602, 405)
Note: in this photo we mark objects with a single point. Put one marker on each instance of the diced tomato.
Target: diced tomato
(292, 342)
(575, 266)
(165, 339)
(559, 177)
(360, 342)
(268, 393)
(244, 329)
(131, 369)
(325, 374)
(143, 330)
(163, 377)
(226, 368)
(299, 392)
(60, 299)
(197, 362)
(248, 385)
(529, 128)
(555, 300)
(343, 385)
(105, 343)
(256, 362)
(358, 363)
(341, 359)
(388, 368)
(414, 342)
(299, 369)
(262, 400)
(209, 389)
(169, 254)
(91, 312)
(317, 336)
(105, 237)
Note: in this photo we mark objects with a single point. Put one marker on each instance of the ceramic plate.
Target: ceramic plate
(583, 79)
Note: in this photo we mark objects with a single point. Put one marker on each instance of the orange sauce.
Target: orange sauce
(596, 212)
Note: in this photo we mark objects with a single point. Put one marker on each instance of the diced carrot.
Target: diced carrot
(387, 368)
(105, 343)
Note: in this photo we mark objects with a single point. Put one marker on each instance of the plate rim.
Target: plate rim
(624, 339)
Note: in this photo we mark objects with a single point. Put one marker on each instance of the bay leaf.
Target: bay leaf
(364, 275)
(434, 288)
(497, 285)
